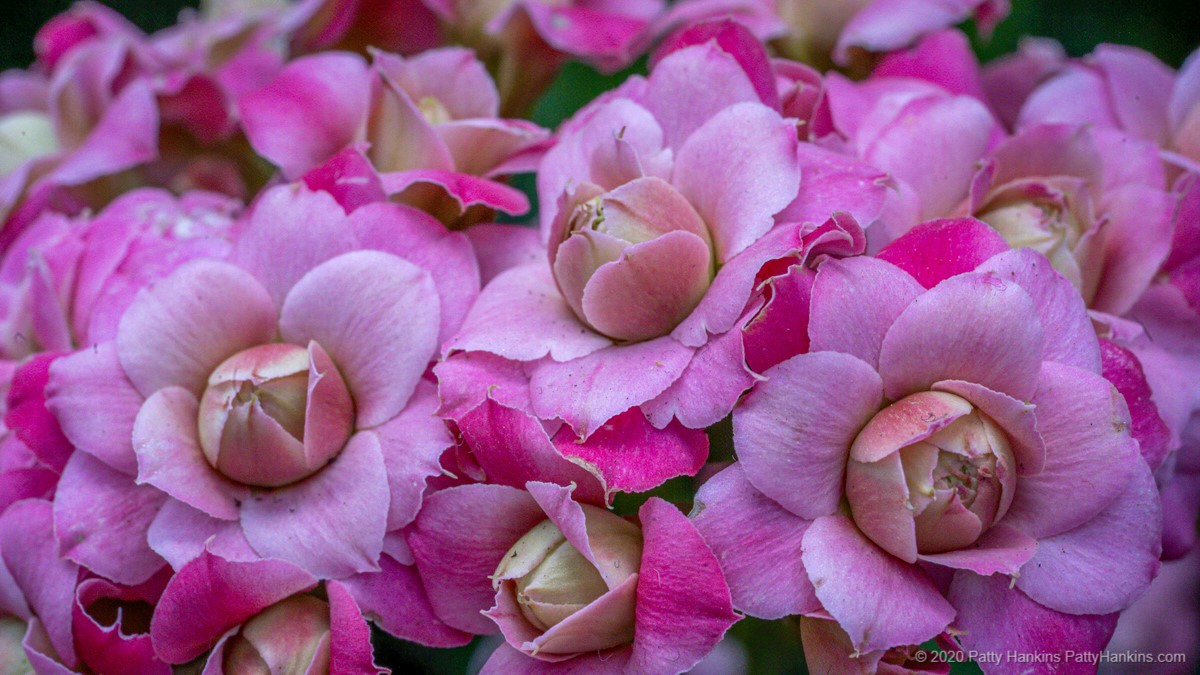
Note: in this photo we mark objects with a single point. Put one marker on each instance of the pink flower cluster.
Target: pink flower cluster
(905, 355)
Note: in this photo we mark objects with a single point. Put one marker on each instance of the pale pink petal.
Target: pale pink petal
(169, 456)
(180, 533)
(29, 552)
(394, 599)
(887, 25)
(878, 600)
(1103, 565)
(738, 170)
(832, 182)
(508, 659)
(1135, 243)
(412, 443)
(500, 247)
(101, 518)
(794, 431)
(592, 389)
(1140, 89)
(179, 330)
(467, 379)
(377, 316)
(332, 523)
(841, 321)
(458, 540)
(751, 536)
(680, 577)
(708, 388)
(1001, 550)
(1018, 419)
(522, 316)
(693, 85)
(276, 251)
(1089, 453)
(96, 404)
(952, 333)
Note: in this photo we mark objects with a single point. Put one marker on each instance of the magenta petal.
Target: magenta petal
(840, 321)
(349, 635)
(793, 433)
(96, 404)
(1001, 549)
(589, 391)
(939, 249)
(679, 577)
(630, 455)
(101, 518)
(758, 545)
(952, 333)
(1089, 453)
(458, 540)
(983, 603)
(1123, 369)
(412, 444)
(1103, 565)
(179, 330)
(29, 552)
(107, 648)
(28, 416)
(521, 315)
(170, 458)
(394, 599)
(210, 595)
(349, 178)
(377, 316)
(309, 112)
(878, 600)
(738, 171)
(513, 448)
(332, 523)
(277, 252)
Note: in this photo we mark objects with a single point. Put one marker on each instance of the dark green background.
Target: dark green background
(1168, 28)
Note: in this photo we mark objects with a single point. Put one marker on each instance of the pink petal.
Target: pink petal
(975, 327)
(500, 247)
(710, 386)
(673, 92)
(349, 178)
(468, 379)
(28, 417)
(878, 600)
(733, 38)
(1140, 90)
(277, 252)
(793, 433)
(330, 524)
(412, 444)
(544, 324)
(840, 321)
(508, 659)
(169, 456)
(630, 455)
(983, 603)
(310, 111)
(939, 249)
(458, 539)
(750, 534)
(1103, 565)
(349, 635)
(1135, 244)
(425, 187)
(180, 533)
(887, 25)
(210, 595)
(179, 330)
(28, 551)
(1001, 550)
(1089, 453)
(101, 518)
(96, 404)
(589, 391)
(833, 182)
(944, 58)
(1123, 369)
(1018, 419)
(394, 599)
(738, 170)
(377, 316)
(680, 577)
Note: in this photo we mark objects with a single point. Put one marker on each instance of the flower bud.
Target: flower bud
(275, 414)
(929, 474)
(633, 262)
(1044, 218)
(24, 136)
(287, 638)
(552, 581)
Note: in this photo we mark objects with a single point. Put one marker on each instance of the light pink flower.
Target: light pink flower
(937, 434)
(305, 321)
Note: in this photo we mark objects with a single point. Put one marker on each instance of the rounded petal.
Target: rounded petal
(939, 249)
(693, 85)
(96, 405)
(394, 599)
(29, 552)
(412, 444)
(840, 321)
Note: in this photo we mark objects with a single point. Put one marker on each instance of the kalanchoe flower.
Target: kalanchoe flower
(263, 616)
(945, 458)
(271, 417)
(430, 122)
(570, 582)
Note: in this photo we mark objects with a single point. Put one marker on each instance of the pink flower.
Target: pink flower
(937, 435)
(307, 347)
(570, 582)
(259, 616)
(430, 122)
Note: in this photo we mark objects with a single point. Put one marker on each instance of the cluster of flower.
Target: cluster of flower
(273, 371)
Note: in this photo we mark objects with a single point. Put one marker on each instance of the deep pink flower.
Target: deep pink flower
(570, 582)
(224, 362)
(938, 434)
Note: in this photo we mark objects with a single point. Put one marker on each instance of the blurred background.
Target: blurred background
(1168, 28)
